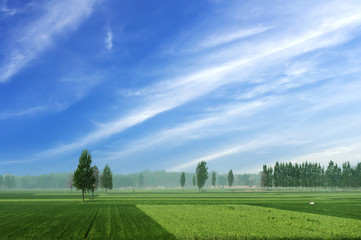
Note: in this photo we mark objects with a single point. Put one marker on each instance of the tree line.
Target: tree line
(144, 179)
(201, 175)
(311, 175)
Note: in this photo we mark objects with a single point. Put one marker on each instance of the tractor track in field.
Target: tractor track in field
(91, 224)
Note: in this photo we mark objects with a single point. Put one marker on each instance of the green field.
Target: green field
(176, 214)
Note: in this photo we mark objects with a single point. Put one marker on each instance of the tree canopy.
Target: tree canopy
(96, 173)
(201, 174)
(230, 178)
(106, 179)
(182, 179)
(213, 179)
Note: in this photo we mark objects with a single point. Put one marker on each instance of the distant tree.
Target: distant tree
(1, 180)
(182, 179)
(330, 175)
(194, 180)
(69, 182)
(222, 181)
(106, 179)
(96, 174)
(140, 180)
(264, 176)
(276, 175)
(9, 181)
(346, 176)
(213, 179)
(201, 174)
(230, 178)
(83, 176)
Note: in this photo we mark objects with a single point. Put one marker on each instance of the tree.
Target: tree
(1, 180)
(264, 176)
(69, 182)
(194, 180)
(140, 180)
(201, 174)
(83, 176)
(106, 179)
(97, 179)
(230, 178)
(9, 181)
(182, 179)
(222, 181)
(213, 179)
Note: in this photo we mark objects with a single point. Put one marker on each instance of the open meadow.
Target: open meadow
(180, 214)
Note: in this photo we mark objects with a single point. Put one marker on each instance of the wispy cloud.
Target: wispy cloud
(7, 11)
(209, 125)
(109, 40)
(230, 36)
(39, 34)
(261, 142)
(338, 154)
(26, 112)
(172, 93)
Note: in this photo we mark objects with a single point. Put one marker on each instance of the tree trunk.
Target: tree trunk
(82, 192)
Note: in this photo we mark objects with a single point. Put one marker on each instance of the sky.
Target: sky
(163, 85)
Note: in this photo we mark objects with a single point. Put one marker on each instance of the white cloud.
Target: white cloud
(7, 11)
(60, 17)
(339, 154)
(170, 94)
(227, 37)
(109, 40)
(261, 142)
(209, 125)
(26, 112)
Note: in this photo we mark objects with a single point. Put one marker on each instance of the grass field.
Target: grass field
(177, 214)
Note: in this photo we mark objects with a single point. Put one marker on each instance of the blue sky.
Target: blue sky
(165, 84)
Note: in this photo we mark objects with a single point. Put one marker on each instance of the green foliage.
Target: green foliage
(213, 179)
(201, 174)
(96, 174)
(311, 175)
(1, 180)
(194, 181)
(182, 179)
(83, 176)
(222, 180)
(9, 181)
(140, 180)
(106, 178)
(230, 178)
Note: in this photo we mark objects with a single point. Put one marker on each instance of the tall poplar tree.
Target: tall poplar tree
(213, 179)
(106, 179)
(201, 174)
(230, 178)
(182, 179)
(96, 174)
